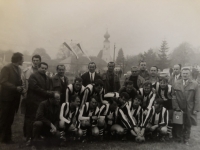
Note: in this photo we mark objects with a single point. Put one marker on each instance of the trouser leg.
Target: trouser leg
(7, 112)
(37, 127)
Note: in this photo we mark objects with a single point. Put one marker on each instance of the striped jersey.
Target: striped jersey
(160, 118)
(67, 115)
(89, 91)
(125, 117)
(148, 100)
(71, 91)
(105, 111)
(136, 113)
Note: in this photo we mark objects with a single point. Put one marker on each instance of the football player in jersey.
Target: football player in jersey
(129, 88)
(156, 120)
(136, 111)
(95, 89)
(108, 118)
(69, 114)
(88, 118)
(75, 89)
(165, 92)
(148, 94)
(125, 118)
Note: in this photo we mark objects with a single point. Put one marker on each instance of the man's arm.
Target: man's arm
(175, 101)
(33, 85)
(196, 99)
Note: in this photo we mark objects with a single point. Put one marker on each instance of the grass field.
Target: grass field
(114, 145)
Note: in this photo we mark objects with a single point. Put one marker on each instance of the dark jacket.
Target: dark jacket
(10, 78)
(48, 113)
(58, 85)
(111, 86)
(38, 91)
(86, 78)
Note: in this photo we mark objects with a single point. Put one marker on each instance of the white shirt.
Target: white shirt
(185, 82)
(176, 77)
(92, 76)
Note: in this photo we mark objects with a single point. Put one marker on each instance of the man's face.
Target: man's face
(35, 62)
(136, 102)
(111, 67)
(61, 70)
(76, 102)
(185, 74)
(134, 72)
(43, 68)
(21, 61)
(163, 84)
(129, 88)
(92, 68)
(93, 103)
(143, 66)
(147, 89)
(122, 100)
(153, 71)
(98, 88)
(77, 85)
(157, 106)
(177, 69)
(113, 106)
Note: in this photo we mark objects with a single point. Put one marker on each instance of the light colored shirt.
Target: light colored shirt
(92, 76)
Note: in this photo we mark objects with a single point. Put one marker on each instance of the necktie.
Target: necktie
(91, 78)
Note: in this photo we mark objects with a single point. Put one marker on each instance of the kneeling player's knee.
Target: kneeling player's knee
(117, 129)
(95, 131)
(85, 123)
(37, 124)
(163, 130)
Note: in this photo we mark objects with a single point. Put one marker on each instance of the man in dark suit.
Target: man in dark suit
(11, 89)
(38, 91)
(111, 79)
(91, 76)
(59, 83)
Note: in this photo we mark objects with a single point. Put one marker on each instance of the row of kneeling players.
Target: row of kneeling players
(119, 118)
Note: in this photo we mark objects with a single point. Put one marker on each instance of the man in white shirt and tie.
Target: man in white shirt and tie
(91, 76)
(176, 74)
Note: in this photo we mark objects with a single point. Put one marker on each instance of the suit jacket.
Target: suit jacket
(172, 79)
(10, 78)
(86, 78)
(108, 87)
(38, 91)
(48, 113)
(187, 98)
(58, 85)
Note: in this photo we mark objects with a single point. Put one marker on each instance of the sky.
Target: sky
(133, 25)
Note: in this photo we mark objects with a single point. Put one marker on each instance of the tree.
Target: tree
(163, 61)
(150, 57)
(183, 54)
(120, 57)
(42, 53)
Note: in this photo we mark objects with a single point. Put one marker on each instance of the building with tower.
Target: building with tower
(105, 52)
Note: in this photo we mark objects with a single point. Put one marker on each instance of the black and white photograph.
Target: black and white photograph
(99, 74)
